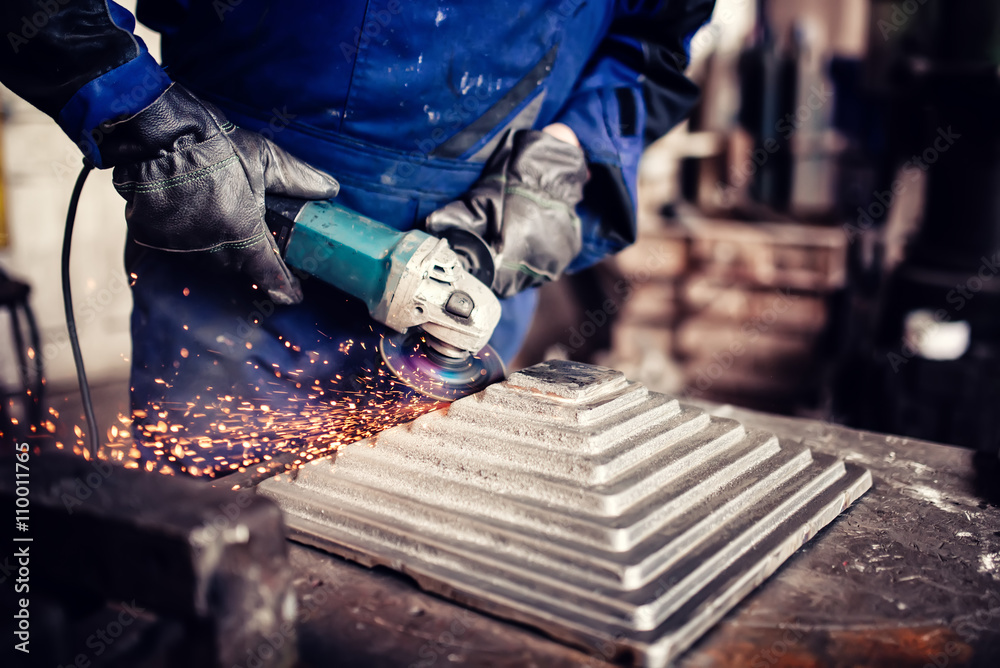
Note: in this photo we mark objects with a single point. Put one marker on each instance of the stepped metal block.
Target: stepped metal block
(576, 501)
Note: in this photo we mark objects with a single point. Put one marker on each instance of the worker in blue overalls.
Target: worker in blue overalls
(398, 105)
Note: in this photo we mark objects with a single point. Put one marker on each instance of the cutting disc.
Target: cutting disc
(427, 371)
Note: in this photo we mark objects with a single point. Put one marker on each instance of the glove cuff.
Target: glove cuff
(176, 120)
(523, 209)
(552, 166)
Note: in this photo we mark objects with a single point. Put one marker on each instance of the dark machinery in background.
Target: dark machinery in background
(912, 340)
(922, 355)
(21, 399)
(769, 81)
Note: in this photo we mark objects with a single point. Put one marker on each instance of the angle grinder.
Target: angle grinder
(436, 301)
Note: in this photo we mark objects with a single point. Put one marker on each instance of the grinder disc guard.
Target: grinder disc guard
(418, 365)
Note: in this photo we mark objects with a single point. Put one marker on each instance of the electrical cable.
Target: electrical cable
(81, 375)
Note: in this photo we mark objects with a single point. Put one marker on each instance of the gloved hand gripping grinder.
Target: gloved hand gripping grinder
(412, 282)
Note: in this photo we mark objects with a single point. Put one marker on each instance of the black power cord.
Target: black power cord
(81, 375)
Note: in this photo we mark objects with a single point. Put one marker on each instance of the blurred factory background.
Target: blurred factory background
(819, 239)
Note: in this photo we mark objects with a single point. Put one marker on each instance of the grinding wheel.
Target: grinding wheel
(418, 365)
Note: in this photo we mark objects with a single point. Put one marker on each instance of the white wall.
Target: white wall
(39, 167)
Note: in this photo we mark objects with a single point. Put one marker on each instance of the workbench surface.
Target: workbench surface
(908, 576)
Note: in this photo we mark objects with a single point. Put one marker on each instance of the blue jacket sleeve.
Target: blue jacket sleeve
(632, 92)
(79, 62)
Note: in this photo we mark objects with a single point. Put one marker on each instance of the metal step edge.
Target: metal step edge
(527, 382)
(594, 410)
(660, 647)
(531, 455)
(619, 533)
(650, 648)
(615, 572)
(572, 438)
(675, 459)
(726, 550)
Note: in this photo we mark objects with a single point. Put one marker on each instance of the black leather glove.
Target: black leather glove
(523, 208)
(195, 183)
